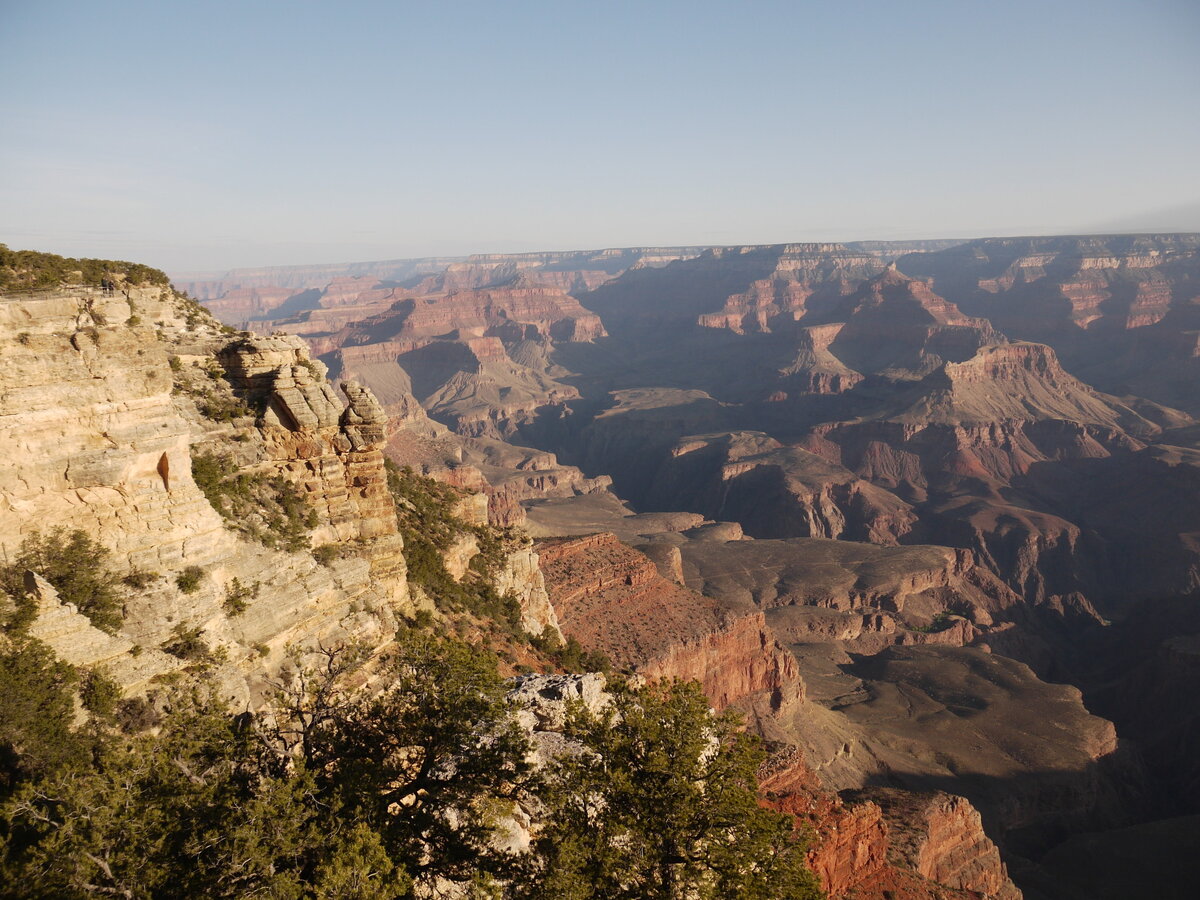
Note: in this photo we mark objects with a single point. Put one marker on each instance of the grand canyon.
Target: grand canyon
(926, 514)
(926, 511)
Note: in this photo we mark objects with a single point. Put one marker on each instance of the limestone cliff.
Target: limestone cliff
(105, 398)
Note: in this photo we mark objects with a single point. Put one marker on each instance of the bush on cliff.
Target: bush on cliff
(424, 511)
(661, 803)
(77, 567)
(267, 508)
(36, 710)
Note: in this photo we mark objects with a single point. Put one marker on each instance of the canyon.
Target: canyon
(925, 514)
(934, 477)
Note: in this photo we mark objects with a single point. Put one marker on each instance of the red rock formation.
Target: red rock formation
(612, 598)
(519, 309)
(889, 844)
(897, 323)
(1116, 307)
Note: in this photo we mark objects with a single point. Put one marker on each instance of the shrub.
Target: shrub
(189, 579)
(187, 643)
(238, 596)
(99, 693)
(77, 567)
(428, 525)
(30, 269)
(326, 554)
(36, 709)
(140, 579)
(267, 508)
(662, 802)
(570, 656)
(135, 714)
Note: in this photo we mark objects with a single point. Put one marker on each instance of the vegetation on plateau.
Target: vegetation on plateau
(22, 270)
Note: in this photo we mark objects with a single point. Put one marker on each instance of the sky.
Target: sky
(202, 136)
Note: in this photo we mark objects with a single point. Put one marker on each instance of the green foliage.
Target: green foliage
(662, 803)
(76, 566)
(188, 643)
(140, 579)
(30, 270)
(134, 714)
(195, 812)
(326, 554)
(570, 656)
(189, 579)
(99, 694)
(424, 510)
(344, 793)
(426, 763)
(221, 407)
(36, 709)
(238, 596)
(266, 508)
(940, 622)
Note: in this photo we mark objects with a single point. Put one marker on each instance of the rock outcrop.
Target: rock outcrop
(612, 599)
(105, 446)
(1119, 309)
(882, 844)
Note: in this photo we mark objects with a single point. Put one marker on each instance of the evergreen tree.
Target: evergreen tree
(431, 761)
(660, 802)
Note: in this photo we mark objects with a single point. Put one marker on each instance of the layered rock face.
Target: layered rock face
(333, 453)
(572, 272)
(613, 599)
(519, 308)
(884, 843)
(477, 359)
(106, 446)
(1121, 310)
(775, 491)
(744, 289)
(861, 596)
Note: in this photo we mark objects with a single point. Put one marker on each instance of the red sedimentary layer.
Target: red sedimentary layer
(889, 844)
(611, 598)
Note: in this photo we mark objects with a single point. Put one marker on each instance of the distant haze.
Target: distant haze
(202, 137)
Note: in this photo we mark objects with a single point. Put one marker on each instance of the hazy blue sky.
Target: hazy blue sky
(205, 135)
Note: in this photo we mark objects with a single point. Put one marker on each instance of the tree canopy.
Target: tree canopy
(371, 781)
(661, 802)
